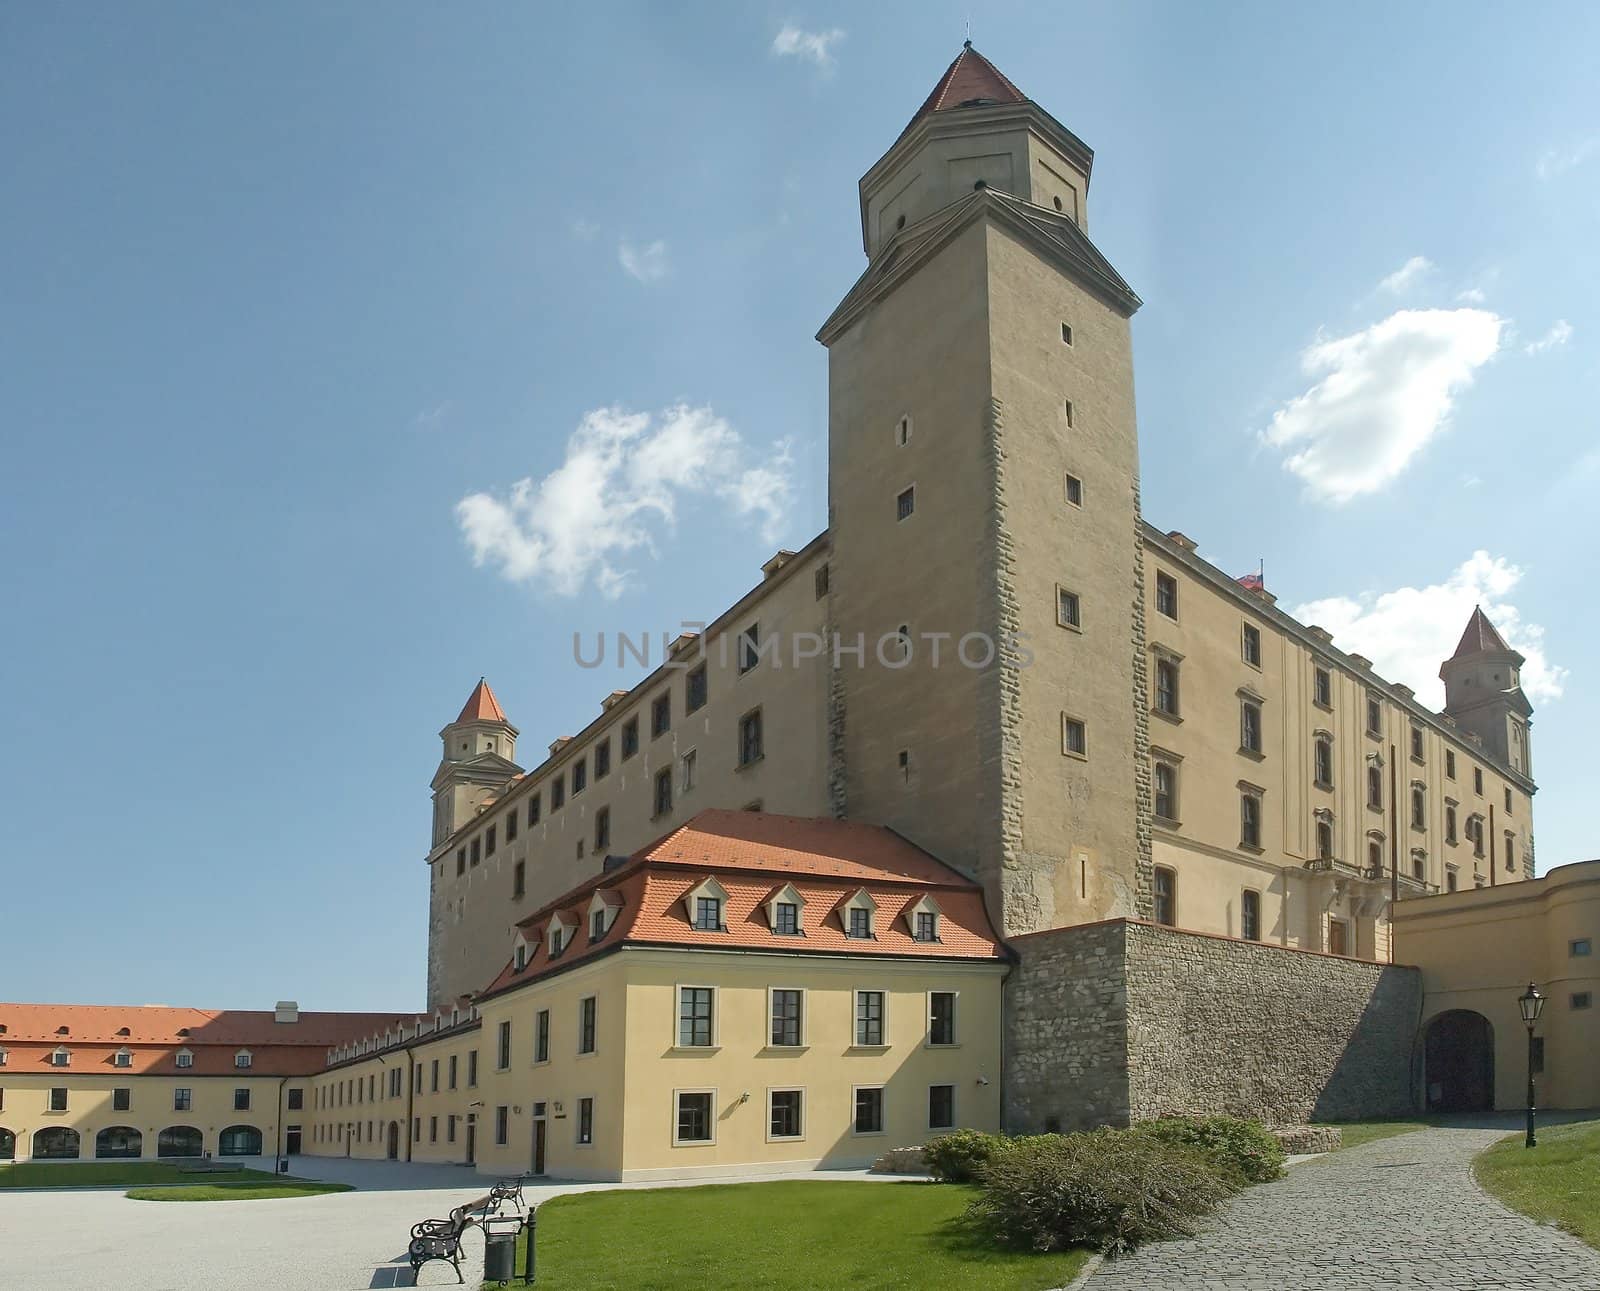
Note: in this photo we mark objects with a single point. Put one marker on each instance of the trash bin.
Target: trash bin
(499, 1256)
(283, 1165)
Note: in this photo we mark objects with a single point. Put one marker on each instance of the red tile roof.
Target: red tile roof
(753, 855)
(971, 80)
(481, 705)
(1480, 637)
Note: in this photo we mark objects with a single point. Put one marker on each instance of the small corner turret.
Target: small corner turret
(479, 751)
(1483, 693)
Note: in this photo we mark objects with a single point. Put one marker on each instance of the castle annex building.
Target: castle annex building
(985, 808)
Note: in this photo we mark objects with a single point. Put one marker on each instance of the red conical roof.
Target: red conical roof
(1480, 637)
(481, 705)
(971, 81)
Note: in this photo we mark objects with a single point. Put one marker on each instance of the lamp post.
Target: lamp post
(1532, 1004)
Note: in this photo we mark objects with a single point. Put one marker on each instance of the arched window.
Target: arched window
(178, 1141)
(8, 1145)
(239, 1141)
(119, 1141)
(55, 1143)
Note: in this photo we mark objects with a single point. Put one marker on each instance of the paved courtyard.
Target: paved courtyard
(1402, 1212)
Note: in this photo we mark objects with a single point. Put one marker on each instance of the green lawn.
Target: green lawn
(795, 1235)
(268, 1186)
(1557, 1182)
(110, 1174)
(1355, 1133)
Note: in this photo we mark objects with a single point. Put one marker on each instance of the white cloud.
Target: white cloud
(1409, 632)
(647, 263)
(793, 42)
(1381, 395)
(584, 230)
(1407, 275)
(1559, 334)
(1557, 161)
(617, 492)
(1472, 296)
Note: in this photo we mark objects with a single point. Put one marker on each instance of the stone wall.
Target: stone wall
(1123, 1021)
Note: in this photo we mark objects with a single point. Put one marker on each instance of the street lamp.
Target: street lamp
(1532, 1004)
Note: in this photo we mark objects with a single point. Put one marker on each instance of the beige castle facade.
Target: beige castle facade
(1152, 739)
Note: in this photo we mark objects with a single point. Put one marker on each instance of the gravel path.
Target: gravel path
(1401, 1212)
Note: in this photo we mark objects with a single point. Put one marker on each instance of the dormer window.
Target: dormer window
(62, 1031)
(184, 1058)
(704, 905)
(560, 936)
(241, 1060)
(124, 1031)
(603, 908)
(783, 911)
(519, 953)
(857, 916)
(2, 1057)
(122, 1058)
(60, 1058)
(922, 919)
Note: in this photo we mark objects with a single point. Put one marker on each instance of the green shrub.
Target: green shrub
(961, 1155)
(1244, 1148)
(1111, 1190)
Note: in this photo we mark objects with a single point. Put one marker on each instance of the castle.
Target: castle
(994, 805)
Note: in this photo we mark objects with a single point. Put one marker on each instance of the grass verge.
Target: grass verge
(798, 1235)
(1557, 1182)
(269, 1186)
(111, 1174)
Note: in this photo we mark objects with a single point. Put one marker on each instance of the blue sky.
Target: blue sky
(281, 287)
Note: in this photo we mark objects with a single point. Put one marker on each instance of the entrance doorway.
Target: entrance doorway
(538, 1145)
(291, 1141)
(394, 1140)
(472, 1138)
(1458, 1062)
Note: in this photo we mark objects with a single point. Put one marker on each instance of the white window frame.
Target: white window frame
(123, 1057)
(925, 904)
(60, 1056)
(910, 488)
(786, 895)
(707, 887)
(183, 1058)
(578, 1049)
(855, 999)
(242, 1060)
(955, 1020)
(711, 1120)
(677, 1015)
(860, 899)
(805, 1021)
(883, 1112)
(805, 1114)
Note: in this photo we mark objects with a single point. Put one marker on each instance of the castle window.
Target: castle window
(1074, 737)
(1166, 595)
(860, 925)
(1450, 879)
(242, 1059)
(1419, 806)
(820, 581)
(122, 1058)
(602, 829)
(660, 715)
(902, 431)
(1450, 823)
(786, 919)
(870, 1019)
(477, 846)
(1066, 333)
(663, 794)
(1477, 781)
(1375, 787)
(749, 648)
(1374, 854)
(1249, 725)
(1419, 863)
(1374, 714)
(1066, 408)
(1069, 611)
(686, 765)
(1250, 821)
(1582, 999)
(1250, 915)
(905, 503)
(1167, 687)
(602, 759)
(630, 738)
(1450, 763)
(489, 841)
(694, 690)
(1580, 948)
(696, 1017)
(558, 793)
(1511, 851)
(1251, 645)
(1324, 839)
(1074, 491)
(750, 750)
(1166, 896)
(1338, 937)
(927, 926)
(1416, 743)
(533, 809)
(1165, 777)
(1508, 802)
(708, 914)
(511, 826)
(1322, 762)
(1322, 688)
(60, 1058)
(580, 776)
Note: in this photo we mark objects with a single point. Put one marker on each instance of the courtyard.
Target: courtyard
(1398, 1211)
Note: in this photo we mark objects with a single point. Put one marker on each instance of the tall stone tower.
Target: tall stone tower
(1483, 693)
(479, 748)
(983, 486)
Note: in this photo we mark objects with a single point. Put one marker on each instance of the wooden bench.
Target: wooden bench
(508, 1190)
(439, 1239)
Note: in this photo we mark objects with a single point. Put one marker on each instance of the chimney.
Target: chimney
(286, 1011)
